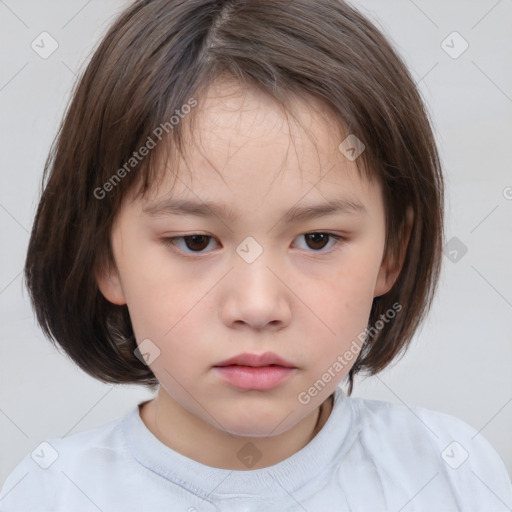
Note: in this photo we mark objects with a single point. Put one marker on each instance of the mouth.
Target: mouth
(268, 359)
(255, 372)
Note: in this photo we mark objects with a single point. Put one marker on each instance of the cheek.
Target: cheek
(159, 310)
(342, 301)
(350, 284)
(169, 309)
(158, 293)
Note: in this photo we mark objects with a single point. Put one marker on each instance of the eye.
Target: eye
(197, 242)
(317, 240)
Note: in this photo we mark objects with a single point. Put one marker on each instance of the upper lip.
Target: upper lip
(247, 359)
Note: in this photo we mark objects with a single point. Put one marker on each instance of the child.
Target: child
(318, 262)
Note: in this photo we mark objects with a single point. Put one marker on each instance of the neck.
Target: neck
(188, 435)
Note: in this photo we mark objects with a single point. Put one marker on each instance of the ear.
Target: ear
(390, 269)
(109, 283)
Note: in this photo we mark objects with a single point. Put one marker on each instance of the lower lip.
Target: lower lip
(260, 378)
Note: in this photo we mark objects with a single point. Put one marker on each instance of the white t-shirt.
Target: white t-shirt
(369, 456)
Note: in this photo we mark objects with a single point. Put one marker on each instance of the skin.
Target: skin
(303, 299)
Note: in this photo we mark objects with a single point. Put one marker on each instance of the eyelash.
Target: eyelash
(170, 241)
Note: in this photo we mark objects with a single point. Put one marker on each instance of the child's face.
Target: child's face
(305, 299)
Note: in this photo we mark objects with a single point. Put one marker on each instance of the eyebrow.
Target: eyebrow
(295, 213)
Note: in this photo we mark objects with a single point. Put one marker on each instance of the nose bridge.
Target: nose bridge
(254, 262)
(256, 296)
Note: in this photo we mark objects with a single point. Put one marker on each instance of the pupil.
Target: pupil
(318, 238)
(194, 240)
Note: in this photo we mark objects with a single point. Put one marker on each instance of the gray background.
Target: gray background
(459, 362)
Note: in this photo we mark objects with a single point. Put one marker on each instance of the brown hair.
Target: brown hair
(157, 57)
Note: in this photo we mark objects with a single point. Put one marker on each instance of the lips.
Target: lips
(257, 372)
(256, 360)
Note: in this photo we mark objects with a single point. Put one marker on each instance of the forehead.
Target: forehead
(234, 120)
(246, 148)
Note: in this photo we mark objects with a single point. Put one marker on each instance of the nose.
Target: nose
(256, 296)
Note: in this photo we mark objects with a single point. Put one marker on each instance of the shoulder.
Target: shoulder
(389, 418)
(67, 464)
(448, 449)
(414, 426)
